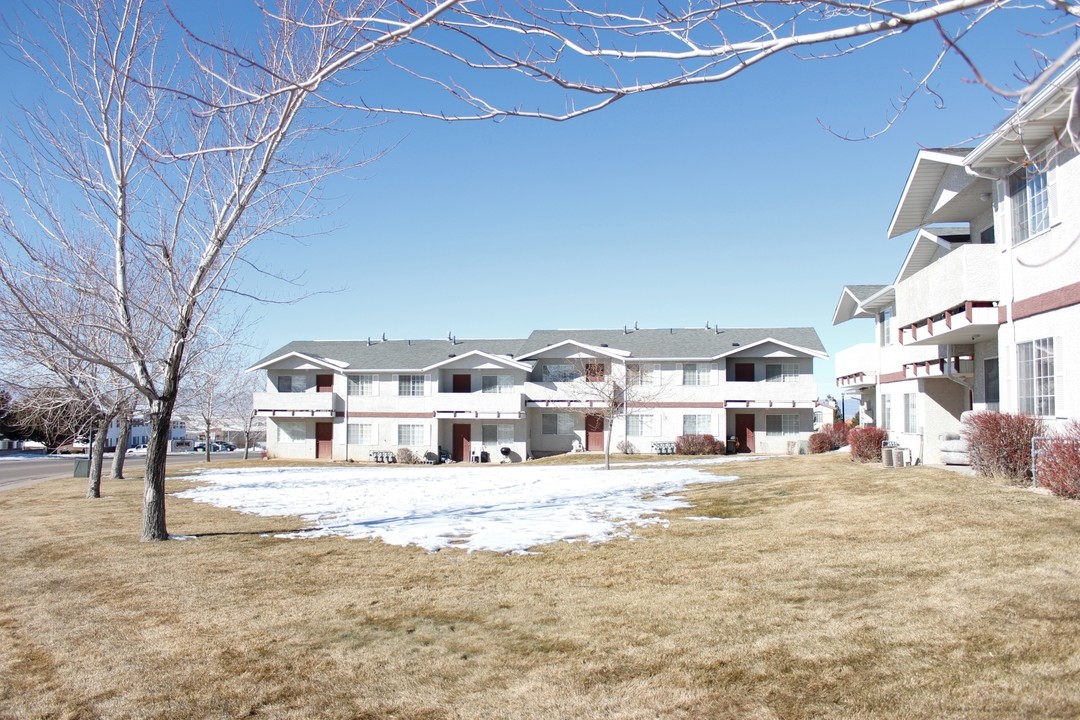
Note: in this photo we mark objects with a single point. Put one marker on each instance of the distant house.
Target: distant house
(984, 313)
(140, 434)
(345, 400)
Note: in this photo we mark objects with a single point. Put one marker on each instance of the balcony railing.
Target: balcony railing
(305, 404)
(968, 273)
(857, 365)
(478, 403)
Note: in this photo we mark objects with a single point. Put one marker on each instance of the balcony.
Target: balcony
(478, 405)
(305, 404)
(857, 366)
(765, 394)
(952, 300)
(960, 367)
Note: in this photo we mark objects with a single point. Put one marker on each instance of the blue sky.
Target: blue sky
(728, 204)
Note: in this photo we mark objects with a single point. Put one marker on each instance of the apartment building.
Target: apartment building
(554, 392)
(985, 310)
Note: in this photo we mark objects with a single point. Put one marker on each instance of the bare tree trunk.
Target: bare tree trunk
(153, 526)
(97, 455)
(121, 446)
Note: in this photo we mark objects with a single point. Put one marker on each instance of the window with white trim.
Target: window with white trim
(557, 424)
(361, 385)
(886, 320)
(642, 374)
(501, 434)
(558, 372)
(777, 425)
(695, 374)
(639, 425)
(1030, 198)
(497, 383)
(782, 372)
(1035, 368)
(696, 424)
(909, 412)
(886, 412)
(291, 383)
(411, 385)
(361, 434)
(410, 435)
(291, 432)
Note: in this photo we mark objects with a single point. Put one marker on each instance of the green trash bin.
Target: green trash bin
(82, 467)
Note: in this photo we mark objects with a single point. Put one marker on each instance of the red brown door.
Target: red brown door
(744, 372)
(744, 432)
(462, 383)
(594, 432)
(462, 442)
(324, 441)
(324, 383)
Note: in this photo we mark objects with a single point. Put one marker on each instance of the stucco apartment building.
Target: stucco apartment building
(344, 400)
(984, 313)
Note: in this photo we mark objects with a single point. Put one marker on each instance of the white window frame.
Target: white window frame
(1036, 377)
(782, 372)
(886, 412)
(696, 374)
(298, 432)
(1029, 196)
(909, 413)
(360, 434)
(500, 384)
(497, 434)
(361, 385)
(642, 373)
(640, 425)
(886, 319)
(296, 383)
(691, 424)
(411, 434)
(415, 382)
(564, 424)
(781, 425)
(558, 372)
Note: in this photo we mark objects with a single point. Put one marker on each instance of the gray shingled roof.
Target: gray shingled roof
(644, 343)
(862, 292)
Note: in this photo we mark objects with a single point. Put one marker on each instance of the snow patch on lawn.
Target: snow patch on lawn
(475, 507)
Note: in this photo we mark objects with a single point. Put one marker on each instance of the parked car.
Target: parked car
(137, 450)
(216, 446)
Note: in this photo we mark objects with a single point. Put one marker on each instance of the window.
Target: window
(290, 383)
(639, 425)
(361, 385)
(991, 393)
(885, 318)
(410, 384)
(361, 434)
(594, 372)
(290, 432)
(784, 372)
(559, 372)
(696, 424)
(497, 434)
(695, 374)
(1035, 377)
(642, 374)
(497, 383)
(909, 413)
(986, 237)
(557, 424)
(781, 425)
(886, 412)
(410, 435)
(1030, 200)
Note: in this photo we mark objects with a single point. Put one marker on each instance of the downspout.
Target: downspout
(346, 417)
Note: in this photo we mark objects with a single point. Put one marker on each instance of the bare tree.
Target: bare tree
(152, 175)
(611, 390)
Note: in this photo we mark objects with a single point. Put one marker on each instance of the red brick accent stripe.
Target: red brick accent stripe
(1045, 302)
(894, 377)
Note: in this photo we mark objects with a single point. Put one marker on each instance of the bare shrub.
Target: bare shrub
(838, 434)
(866, 443)
(698, 445)
(1058, 463)
(405, 456)
(999, 444)
(626, 447)
(819, 443)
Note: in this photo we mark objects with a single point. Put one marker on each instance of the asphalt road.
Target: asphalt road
(18, 472)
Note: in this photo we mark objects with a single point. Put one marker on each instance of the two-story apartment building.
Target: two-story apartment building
(552, 392)
(985, 311)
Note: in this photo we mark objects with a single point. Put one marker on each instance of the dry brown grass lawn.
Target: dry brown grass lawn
(820, 588)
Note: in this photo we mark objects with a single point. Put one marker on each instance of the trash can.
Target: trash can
(485, 456)
(82, 467)
(732, 445)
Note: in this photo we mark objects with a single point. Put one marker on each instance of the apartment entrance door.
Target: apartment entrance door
(594, 432)
(324, 441)
(744, 432)
(462, 443)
